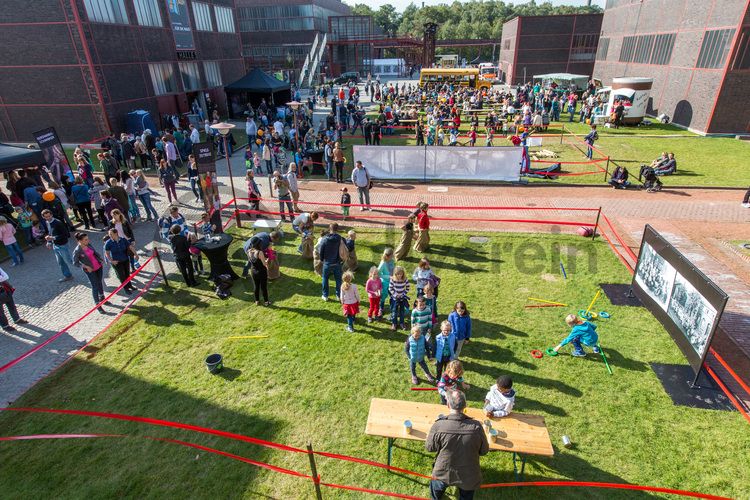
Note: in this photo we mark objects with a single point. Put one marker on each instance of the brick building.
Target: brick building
(82, 65)
(535, 45)
(698, 54)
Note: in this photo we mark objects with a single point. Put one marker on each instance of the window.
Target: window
(627, 49)
(714, 48)
(742, 57)
(163, 78)
(224, 19)
(147, 12)
(663, 49)
(506, 44)
(202, 13)
(213, 73)
(106, 11)
(643, 49)
(191, 80)
(601, 52)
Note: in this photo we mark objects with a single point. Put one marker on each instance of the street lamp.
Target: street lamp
(295, 106)
(224, 129)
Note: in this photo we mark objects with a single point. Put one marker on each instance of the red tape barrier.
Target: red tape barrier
(54, 337)
(617, 236)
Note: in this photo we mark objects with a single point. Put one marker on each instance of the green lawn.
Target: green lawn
(312, 381)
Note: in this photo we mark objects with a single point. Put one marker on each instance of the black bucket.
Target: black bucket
(214, 363)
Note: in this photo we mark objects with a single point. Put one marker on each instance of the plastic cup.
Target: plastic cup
(407, 426)
(487, 425)
(493, 435)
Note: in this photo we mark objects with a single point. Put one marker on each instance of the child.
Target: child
(205, 228)
(374, 288)
(450, 380)
(402, 250)
(500, 399)
(421, 316)
(256, 163)
(248, 158)
(431, 300)
(416, 347)
(440, 137)
(582, 332)
(346, 200)
(398, 289)
(37, 232)
(460, 325)
(7, 235)
(422, 275)
(349, 300)
(24, 215)
(454, 137)
(488, 141)
(385, 270)
(351, 262)
(423, 223)
(195, 256)
(473, 137)
(317, 263)
(445, 347)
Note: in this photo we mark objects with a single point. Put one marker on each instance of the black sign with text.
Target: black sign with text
(205, 157)
(179, 18)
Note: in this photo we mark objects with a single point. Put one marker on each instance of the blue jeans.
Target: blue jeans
(437, 490)
(399, 309)
(329, 269)
(134, 212)
(383, 295)
(147, 206)
(413, 367)
(288, 198)
(329, 169)
(96, 278)
(350, 322)
(589, 153)
(578, 346)
(64, 259)
(29, 235)
(15, 252)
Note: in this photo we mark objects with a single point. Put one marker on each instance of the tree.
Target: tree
(387, 19)
(362, 9)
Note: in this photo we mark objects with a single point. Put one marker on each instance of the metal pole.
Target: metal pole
(161, 266)
(231, 182)
(314, 470)
(596, 224)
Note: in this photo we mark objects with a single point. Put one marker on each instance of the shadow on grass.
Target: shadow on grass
(107, 468)
(520, 379)
(160, 313)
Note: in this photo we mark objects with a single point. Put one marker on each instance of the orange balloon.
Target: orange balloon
(48, 196)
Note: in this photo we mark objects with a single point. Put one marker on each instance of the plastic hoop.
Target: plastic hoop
(603, 314)
(582, 313)
(551, 351)
(537, 353)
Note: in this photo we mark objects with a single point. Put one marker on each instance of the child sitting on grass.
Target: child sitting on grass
(452, 379)
(445, 347)
(500, 399)
(416, 347)
(349, 300)
(374, 288)
(398, 289)
(582, 333)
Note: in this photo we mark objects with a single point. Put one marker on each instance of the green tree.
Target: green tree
(387, 18)
(362, 9)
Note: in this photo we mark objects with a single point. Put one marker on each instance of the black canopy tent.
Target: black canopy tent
(252, 88)
(13, 157)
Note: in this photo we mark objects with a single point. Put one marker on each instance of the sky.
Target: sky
(400, 4)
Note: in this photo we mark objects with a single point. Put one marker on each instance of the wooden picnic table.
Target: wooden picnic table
(521, 434)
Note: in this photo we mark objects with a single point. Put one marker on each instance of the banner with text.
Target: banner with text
(179, 18)
(57, 162)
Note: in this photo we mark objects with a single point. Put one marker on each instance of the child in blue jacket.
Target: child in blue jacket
(582, 333)
(415, 348)
(444, 347)
(460, 325)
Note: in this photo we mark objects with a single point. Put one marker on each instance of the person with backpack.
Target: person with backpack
(361, 180)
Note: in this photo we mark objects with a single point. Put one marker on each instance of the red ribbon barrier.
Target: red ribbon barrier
(619, 239)
(424, 388)
(54, 337)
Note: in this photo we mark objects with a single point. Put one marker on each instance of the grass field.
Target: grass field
(312, 381)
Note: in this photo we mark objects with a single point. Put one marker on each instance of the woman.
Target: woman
(194, 178)
(267, 156)
(86, 257)
(143, 191)
(253, 194)
(116, 250)
(118, 193)
(259, 272)
(125, 230)
(168, 179)
(85, 171)
(96, 197)
(338, 161)
(82, 199)
(141, 152)
(6, 297)
(129, 186)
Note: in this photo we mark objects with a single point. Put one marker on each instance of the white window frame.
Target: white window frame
(163, 78)
(202, 14)
(148, 13)
(190, 70)
(106, 11)
(224, 19)
(212, 69)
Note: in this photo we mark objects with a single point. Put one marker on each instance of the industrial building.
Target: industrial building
(81, 66)
(698, 54)
(535, 45)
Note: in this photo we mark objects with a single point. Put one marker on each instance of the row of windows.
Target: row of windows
(283, 24)
(715, 47)
(601, 51)
(275, 50)
(742, 58)
(643, 49)
(164, 77)
(148, 14)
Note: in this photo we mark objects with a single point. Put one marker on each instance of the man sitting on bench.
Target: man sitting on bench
(667, 168)
(619, 179)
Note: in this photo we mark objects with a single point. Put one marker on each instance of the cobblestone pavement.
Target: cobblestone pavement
(50, 306)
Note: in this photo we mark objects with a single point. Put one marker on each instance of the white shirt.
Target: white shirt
(251, 128)
(360, 177)
(291, 178)
(278, 127)
(301, 219)
(170, 150)
(195, 136)
(3, 276)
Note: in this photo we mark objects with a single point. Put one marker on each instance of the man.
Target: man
(375, 133)
(278, 127)
(116, 250)
(265, 240)
(281, 186)
(459, 442)
(590, 138)
(291, 179)
(303, 225)
(667, 168)
(367, 131)
(33, 197)
(195, 135)
(251, 129)
(330, 250)
(361, 180)
(328, 155)
(170, 152)
(57, 235)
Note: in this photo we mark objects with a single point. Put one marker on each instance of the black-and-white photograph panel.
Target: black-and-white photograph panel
(692, 313)
(655, 276)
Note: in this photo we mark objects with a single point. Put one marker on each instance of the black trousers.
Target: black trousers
(339, 171)
(186, 268)
(746, 199)
(376, 139)
(260, 280)
(122, 270)
(84, 209)
(11, 309)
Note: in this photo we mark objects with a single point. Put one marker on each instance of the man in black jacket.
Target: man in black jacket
(57, 235)
(329, 249)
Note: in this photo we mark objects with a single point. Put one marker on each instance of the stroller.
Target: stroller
(650, 181)
(223, 283)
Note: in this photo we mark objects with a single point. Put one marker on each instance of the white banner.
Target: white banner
(441, 162)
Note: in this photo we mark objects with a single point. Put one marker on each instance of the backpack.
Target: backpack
(223, 283)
